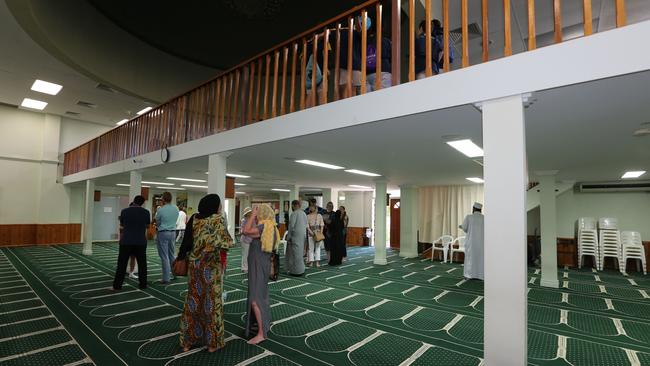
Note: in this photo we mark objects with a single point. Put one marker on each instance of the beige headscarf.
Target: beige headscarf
(270, 236)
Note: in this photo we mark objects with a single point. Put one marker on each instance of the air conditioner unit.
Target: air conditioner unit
(592, 187)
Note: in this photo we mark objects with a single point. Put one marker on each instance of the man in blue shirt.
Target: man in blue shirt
(133, 242)
(166, 217)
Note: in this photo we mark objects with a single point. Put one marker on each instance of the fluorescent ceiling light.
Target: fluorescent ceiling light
(193, 186)
(172, 188)
(633, 174)
(187, 179)
(361, 172)
(159, 183)
(319, 164)
(358, 186)
(128, 185)
(280, 190)
(240, 184)
(46, 87)
(144, 111)
(33, 104)
(475, 180)
(467, 147)
(240, 192)
(231, 175)
(122, 122)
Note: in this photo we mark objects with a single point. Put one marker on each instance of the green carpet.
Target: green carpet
(409, 312)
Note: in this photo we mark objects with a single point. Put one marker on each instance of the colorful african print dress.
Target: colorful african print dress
(202, 318)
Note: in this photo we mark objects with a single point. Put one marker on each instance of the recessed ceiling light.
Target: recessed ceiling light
(159, 183)
(240, 184)
(46, 87)
(633, 174)
(280, 190)
(319, 164)
(128, 185)
(172, 188)
(144, 111)
(193, 186)
(122, 122)
(187, 179)
(240, 192)
(358, 186)
(466, 147)
(475, 180)
(33, 104)
(361, 172)
(232, 175)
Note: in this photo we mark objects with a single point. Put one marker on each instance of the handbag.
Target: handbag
(275, 266)
(179, 267)
(319, 236)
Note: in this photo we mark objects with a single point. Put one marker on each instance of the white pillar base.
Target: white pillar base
(87, 252)
(549, 283)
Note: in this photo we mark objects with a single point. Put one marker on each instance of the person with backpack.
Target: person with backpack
(437, 49)
(371, 62)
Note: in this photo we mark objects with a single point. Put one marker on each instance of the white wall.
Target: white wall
(358, 206)
(30, 144)
(632, 210)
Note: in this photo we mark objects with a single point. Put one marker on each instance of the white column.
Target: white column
(89, 211)
(217, 174)
(548, 225)
(229, 206)
(408, 222)
(295, 193)
(380, 221)
(135, 184)
(505, 314)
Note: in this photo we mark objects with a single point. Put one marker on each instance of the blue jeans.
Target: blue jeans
(166, 250)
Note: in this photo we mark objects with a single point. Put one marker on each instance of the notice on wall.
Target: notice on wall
(108, 209)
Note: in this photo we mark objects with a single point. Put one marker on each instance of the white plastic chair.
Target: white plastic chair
(283, 243)
(609, 246)
(460, 243)
(632, 248)
(588, 246)
(442, 244)
(587, 223)
(608, 223)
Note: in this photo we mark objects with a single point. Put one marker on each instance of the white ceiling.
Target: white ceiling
(584, 131)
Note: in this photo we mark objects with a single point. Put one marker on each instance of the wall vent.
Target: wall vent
(639, 186)
(86, 104)
(473, 31)
(8, 105)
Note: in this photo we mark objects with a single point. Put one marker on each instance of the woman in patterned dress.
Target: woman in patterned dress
(206, 243)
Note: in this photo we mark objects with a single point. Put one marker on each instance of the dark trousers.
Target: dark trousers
(126, 251)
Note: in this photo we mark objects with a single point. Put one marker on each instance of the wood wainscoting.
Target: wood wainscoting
(39, 234)
(357, 236)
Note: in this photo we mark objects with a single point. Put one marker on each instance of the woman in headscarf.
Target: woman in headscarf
(262, 229)
(205, 244)
(337, 246)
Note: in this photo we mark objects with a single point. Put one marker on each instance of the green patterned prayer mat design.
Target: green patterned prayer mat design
(57, 309)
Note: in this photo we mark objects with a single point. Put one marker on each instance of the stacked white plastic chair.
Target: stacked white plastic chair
(632, 248)
(283, 243)
(460, 242)
(588, 240)
(442, 244)
(609, 241)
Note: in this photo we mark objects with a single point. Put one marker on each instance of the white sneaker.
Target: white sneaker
(132, 275)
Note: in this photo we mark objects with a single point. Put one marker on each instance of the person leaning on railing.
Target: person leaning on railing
(437, 49)
(371, 61)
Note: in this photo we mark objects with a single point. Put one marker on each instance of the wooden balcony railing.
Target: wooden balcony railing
(275, 82)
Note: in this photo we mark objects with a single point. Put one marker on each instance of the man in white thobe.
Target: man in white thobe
(297, 234)
(473, 226)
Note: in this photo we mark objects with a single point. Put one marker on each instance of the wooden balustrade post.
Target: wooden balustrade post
(337, 62)
(259, 89)
(378, 34)
(395, 58)
(532, 43)
(445, 34)
(285, 60)
(303, 74)
(267, 77)
(621, 17)
(251, 92)
(507, 31)
(325, 71)
(235, 114)
(411, 40)
(484, 24)
(428, 70)
(586, 15)
(557, 21)
(348, 84)
(465, 33)
(314, 67)
(364, 45)
(292, 96)
(274, 99)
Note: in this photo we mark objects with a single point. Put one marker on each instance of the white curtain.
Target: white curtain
(442, 208)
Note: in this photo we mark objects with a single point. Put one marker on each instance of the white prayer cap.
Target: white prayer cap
(478, 206)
